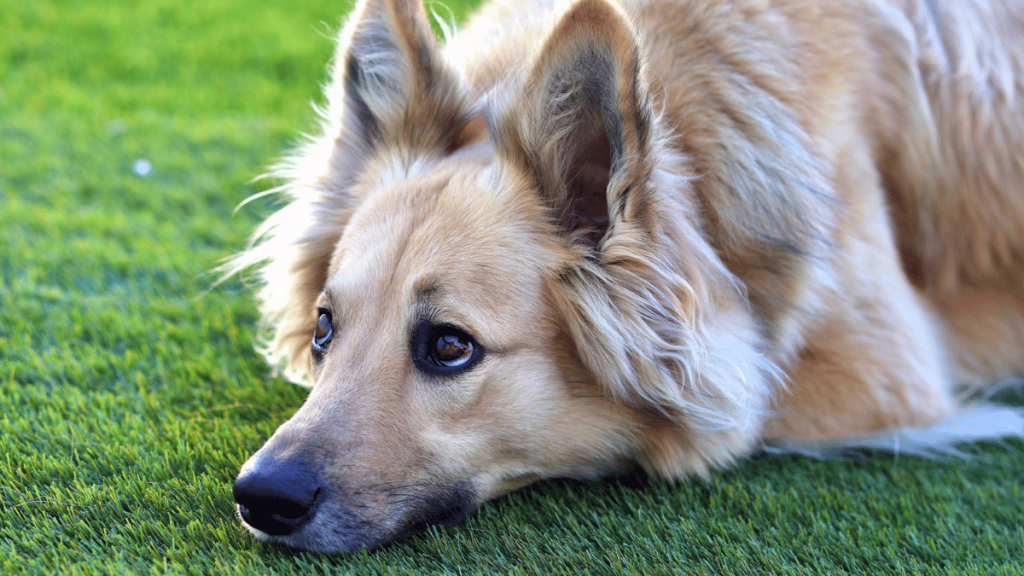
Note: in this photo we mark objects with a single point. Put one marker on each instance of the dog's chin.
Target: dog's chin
(342, 532)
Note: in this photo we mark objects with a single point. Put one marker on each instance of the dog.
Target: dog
(582, 238)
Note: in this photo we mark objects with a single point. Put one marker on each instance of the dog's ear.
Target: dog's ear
(581, 124)
(397, 89)
(656, 317)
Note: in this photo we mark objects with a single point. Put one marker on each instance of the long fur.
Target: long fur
(671, 233)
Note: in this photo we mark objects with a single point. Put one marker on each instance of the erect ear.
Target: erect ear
(581, 124)
(397, 88)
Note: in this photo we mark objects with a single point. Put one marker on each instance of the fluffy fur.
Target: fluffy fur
(671, 233)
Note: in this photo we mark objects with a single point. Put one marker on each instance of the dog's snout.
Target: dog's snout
(277, 497)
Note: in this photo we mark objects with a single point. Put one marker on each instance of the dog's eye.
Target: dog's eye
(451, 349)
(323, 333)
(444, 350)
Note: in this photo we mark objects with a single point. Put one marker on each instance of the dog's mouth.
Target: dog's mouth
(450, 506)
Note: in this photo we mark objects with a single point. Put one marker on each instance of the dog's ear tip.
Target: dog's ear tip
(589, 16)
(594, 9)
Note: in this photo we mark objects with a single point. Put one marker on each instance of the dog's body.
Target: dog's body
(584, 237)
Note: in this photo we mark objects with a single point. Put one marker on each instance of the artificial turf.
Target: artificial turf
(130, 393)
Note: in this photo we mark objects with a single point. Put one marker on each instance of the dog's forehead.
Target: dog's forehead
(452, 232)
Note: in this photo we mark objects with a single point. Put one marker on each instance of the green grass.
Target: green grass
(129, 396)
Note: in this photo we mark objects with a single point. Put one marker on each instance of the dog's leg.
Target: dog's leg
(872, 368)
(865, 383)
(956, 180)
(986, 333)
(874, 375)
(873, 356)
(879, 370)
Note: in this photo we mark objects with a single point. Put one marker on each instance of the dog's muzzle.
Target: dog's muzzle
(288, 500)
(277, 497)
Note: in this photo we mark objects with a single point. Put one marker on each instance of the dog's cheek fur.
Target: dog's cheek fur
(674, 340)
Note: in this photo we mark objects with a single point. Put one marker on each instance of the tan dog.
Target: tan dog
(580, 238)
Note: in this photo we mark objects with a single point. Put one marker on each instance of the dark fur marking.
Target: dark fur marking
(443, 507)
(354, 81)
(641, 109)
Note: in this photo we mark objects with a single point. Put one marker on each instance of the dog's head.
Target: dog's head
(484, 292)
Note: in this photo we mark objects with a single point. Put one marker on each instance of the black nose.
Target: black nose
(276, 496)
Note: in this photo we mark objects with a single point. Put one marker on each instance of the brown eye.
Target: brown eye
(443, 350)
(323, 333)
(452, 350)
